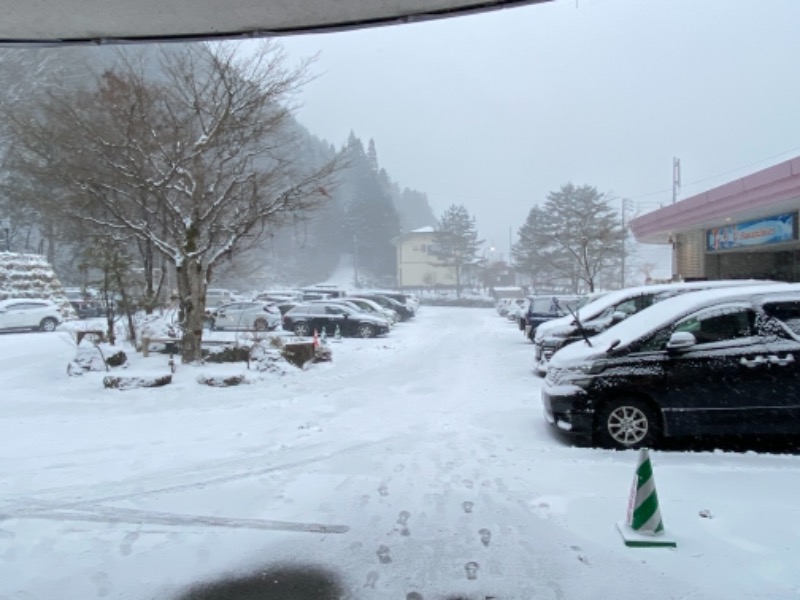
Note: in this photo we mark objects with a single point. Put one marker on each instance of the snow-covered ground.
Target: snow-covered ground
(382, 467)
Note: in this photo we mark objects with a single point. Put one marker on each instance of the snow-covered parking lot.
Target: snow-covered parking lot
(409, 464)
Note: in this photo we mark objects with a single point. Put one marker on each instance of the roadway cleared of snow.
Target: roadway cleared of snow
(417, 462)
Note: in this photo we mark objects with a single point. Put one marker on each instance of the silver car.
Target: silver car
(258, 316)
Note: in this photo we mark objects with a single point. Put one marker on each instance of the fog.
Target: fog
(495, 110)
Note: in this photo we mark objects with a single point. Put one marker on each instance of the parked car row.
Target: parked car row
(530, 312)
(363, 313)
(683, 361)
(609, 309)
(330, 316)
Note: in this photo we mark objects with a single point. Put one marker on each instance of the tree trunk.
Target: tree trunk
(128, 308)
(458, 281)
(149, 263)
(192, 294)
(108, 303)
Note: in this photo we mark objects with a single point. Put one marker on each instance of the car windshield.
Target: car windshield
(470, 181)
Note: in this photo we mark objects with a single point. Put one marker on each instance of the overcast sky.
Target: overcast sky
(495, 110)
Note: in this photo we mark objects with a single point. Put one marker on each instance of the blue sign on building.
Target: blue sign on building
(758, 232)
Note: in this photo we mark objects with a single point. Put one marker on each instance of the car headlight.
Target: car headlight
(582, 375)
(594, 367)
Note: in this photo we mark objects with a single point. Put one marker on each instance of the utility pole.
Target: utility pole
(625, 207)
(355, 260)
(676, 178)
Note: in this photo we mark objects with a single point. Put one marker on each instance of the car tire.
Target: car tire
(48, 324)
(627, 423)
(365, 330)
(260, 325)
(301, 329)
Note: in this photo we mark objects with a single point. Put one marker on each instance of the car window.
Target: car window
(718, 325)
(786, 312)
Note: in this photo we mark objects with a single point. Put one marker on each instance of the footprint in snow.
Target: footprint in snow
(127, 543)
(402, 520)
(468, 483)
(372, 579)
(467, 506)
(100, 579)
(384, 555)
(486, 537)
(472, 569)
(383, 490)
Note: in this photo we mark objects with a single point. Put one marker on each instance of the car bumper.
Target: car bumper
(567, 410)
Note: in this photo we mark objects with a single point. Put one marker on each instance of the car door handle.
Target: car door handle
(758, 360)
(781, 362)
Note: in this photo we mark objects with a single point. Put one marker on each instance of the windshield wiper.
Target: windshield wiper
(581, 330)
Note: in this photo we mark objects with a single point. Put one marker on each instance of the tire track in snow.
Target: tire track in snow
(76, 496)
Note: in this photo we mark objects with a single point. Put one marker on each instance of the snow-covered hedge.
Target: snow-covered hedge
(31, 276)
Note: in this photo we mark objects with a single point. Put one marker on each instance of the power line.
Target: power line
(718, 175)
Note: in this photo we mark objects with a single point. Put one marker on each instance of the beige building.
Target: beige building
(417, 265)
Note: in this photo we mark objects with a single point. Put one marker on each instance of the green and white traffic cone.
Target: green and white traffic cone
(643, 526)
(337, 335)
(323, 339)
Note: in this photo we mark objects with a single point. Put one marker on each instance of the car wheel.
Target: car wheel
(366, 331)
(627, 423)
(301, 329)
(48, 324)
(260, 325)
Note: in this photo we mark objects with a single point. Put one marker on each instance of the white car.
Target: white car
(260, 316)
(27, 313)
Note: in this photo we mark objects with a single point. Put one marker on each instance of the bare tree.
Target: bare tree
(195, 160)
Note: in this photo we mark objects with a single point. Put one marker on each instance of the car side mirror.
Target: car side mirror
(618, 316)
(681, 340)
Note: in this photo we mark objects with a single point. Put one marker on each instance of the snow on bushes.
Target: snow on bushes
(99, 357)
(138, 381)
(31, 276)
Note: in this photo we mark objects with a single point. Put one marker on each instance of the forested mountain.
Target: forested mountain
(364, 211)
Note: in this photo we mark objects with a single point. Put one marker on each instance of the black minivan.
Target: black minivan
(715, 362)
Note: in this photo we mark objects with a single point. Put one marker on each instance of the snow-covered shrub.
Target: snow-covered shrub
(227, 354)
(98, 357)
(222, 380)
(298, 353)
(266, 358)
(31, 276)
(129, 383)
(157, 326)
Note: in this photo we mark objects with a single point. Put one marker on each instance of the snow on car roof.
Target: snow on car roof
(8, 301)
(593, 309)
(665, 312)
